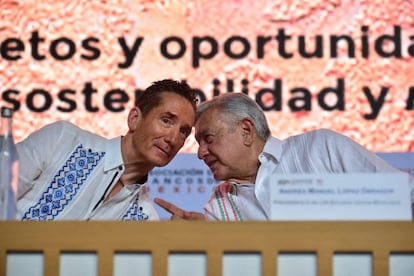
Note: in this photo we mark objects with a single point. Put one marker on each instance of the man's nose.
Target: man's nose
(173, 136)
(202, 152)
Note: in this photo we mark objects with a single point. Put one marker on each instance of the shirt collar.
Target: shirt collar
(272, 149)
(113, 154)
(113, 150)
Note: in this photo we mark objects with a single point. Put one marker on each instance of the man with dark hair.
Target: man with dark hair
(67, 173)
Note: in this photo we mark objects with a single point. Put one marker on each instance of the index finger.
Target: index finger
(169, 207)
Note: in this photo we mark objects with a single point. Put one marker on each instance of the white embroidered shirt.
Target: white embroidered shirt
(65, 172)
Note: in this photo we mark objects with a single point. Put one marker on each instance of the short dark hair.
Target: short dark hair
(151, 97)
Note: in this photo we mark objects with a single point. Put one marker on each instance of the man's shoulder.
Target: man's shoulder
(73, 128)
(69, 131)
(321, 133)
(59, 126)
(318, 139)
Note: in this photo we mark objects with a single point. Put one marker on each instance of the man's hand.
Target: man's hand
(178, 213)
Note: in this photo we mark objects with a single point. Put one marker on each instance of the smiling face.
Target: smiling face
(222, 148)
(160, 134)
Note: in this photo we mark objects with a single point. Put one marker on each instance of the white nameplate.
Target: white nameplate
(356, 196)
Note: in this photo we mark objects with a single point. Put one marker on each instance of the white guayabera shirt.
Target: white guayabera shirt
(65, 173)
(319, 151)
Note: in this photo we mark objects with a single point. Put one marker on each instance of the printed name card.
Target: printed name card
(356, 196)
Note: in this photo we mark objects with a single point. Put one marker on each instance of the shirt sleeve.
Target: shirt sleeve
(341, 154)
(222, 204)
(210, 209)
(36, 152)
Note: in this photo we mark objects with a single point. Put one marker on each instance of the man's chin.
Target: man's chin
(160, 159)
(161, 162)
(218, 177)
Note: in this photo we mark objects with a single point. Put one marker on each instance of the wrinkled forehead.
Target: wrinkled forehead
(168, 95)
(206, 117)
(211, 121)
(177, 106)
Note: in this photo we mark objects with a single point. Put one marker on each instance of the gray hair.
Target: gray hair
(236, 107)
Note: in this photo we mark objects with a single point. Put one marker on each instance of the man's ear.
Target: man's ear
(134, 118)
(248, 131)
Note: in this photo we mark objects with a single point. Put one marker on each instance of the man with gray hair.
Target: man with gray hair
(236, 144)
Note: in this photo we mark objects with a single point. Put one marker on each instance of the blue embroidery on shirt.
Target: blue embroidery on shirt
(135, 213)
(65, 185)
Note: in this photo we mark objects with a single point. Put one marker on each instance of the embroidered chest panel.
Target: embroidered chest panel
(66, 183)
(135, 213)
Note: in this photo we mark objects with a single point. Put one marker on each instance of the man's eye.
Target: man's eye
(208, 138)
(185, 132)
(166, 120)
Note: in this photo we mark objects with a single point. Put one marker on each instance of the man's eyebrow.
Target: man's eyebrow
(187, 129)
(200, 134)
(170, 114)
(187, 126)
